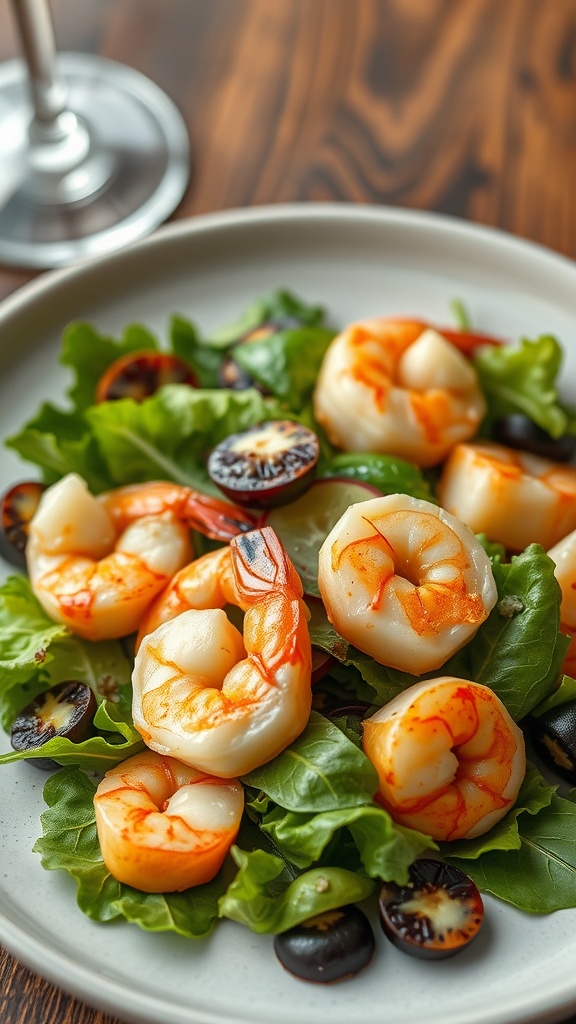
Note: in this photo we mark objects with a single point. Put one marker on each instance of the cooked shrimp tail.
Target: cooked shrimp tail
(215, 518)
(163, 826)
(261, 563)
(398, 387)
(450, 759)
(224, 701)
(405, 582)
(219, 520)
(97, 563)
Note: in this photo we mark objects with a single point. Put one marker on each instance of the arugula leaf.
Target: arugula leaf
(70, 843)
(258, 898)
(522, 378)
(320, 771)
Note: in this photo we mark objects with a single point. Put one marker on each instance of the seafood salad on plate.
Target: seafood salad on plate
(293, 629)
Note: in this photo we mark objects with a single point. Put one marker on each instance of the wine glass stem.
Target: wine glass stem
(48, 92)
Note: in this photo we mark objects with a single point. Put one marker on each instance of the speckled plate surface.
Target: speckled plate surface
(358, 262)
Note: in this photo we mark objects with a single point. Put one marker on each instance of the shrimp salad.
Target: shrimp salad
(319, 584)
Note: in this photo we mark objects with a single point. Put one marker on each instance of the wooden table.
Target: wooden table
(467, 107)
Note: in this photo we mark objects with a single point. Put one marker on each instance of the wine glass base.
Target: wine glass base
(132, 179)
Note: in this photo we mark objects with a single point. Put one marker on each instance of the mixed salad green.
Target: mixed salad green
(312, 837)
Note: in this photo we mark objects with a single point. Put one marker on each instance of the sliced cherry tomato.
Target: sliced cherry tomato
(468, 341)
(18, 506)
(138, 375)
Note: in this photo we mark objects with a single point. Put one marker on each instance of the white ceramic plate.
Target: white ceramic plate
(357, 261)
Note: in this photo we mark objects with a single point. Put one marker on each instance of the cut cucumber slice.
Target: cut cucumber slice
(304, 524)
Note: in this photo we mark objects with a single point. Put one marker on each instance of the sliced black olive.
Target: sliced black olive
(554, 734)
(435, 915)
(329, 947)
(266, 465)
(231, 375)
(519, 431)
(18, 507)
(138, 375)
(66, 709)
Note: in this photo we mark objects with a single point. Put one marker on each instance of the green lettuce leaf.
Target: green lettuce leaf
(36, 653)
(522, 378)
(321, 771)
(26, 634)
(60, 442)
(263, 898)
(70, 843)
(170, 434)
(386, 849)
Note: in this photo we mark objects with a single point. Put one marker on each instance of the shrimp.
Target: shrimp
(398, 387)
(163, 826)
(216, 699)
(96, 564)
(490, 487)
(563, 555)
(405, 582)
(450, 759)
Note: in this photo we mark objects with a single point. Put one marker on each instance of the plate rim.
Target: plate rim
(53, 965)
(266, 213)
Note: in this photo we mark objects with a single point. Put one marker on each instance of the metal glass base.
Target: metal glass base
(118, 167)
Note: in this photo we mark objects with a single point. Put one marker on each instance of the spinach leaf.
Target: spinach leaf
(258, 899)
(321, 771)
(287, 362)
(519, 650)
(540, 876)
(275, 306)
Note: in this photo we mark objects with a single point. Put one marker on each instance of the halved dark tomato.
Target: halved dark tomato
(138, 375)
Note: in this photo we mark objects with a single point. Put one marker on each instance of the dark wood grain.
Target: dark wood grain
(462, 106)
